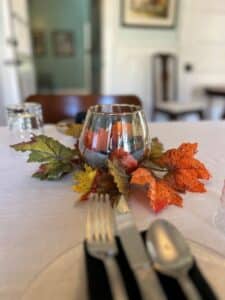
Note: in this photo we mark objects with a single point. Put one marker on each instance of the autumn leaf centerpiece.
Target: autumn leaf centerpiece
(112, 153)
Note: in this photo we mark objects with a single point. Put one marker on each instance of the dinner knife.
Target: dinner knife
(136, 253)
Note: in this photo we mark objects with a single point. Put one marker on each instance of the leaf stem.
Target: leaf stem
(158, 170)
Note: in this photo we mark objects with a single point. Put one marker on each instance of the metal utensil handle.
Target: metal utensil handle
(188, 287)
(115, 279)
(148, 283)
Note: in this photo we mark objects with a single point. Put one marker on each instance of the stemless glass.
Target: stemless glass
(25, 119)
(110, 127)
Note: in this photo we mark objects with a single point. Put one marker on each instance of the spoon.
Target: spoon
(171, 255)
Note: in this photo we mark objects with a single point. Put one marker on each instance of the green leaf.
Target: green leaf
(154, 168)
(44, 149)
(156, 149)
(119, 175)
(57, 157)
(150, 160)
(74, 130)
(53, 170)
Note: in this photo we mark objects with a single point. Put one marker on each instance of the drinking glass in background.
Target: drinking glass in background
(25, 120)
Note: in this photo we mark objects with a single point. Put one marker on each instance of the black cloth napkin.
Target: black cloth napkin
(99, 289)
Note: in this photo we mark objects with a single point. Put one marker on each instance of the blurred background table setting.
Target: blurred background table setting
(24, 120)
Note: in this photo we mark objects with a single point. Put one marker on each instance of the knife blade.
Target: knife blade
(136, 253)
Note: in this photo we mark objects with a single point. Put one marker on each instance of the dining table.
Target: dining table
(42, 223)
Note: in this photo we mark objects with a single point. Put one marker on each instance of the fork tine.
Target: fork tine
(95, 220)
(99, 225)
(102, 219)
(108, 218)
(92, 226)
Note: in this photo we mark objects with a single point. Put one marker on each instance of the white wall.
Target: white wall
(198, 38)
(16, 82)
(9, 90)
(202, 43)
(127, 52)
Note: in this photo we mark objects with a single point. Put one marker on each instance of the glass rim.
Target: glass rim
(20, 107)
(137, 108)
(24, 104)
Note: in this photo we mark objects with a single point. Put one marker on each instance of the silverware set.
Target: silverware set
(101, 241)
(166, 250)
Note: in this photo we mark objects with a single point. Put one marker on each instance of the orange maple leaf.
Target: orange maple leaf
(184, 170)
(159, 193)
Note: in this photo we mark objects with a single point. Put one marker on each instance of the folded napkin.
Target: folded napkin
(99, 288)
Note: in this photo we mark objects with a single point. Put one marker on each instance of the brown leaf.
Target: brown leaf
(156, 149)
(119, 175)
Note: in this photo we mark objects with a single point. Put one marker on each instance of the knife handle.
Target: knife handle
(115, 279)
(149, 284)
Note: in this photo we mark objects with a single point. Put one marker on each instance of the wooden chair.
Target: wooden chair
(164, 72)
(215, 91)
(59, 107)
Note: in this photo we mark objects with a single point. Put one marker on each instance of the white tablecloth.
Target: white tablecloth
(40, 220)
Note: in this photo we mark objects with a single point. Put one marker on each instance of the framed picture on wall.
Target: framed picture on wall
(63, 43)
(39, 43)
(148, 13)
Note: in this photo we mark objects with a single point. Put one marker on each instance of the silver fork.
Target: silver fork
(101, 241)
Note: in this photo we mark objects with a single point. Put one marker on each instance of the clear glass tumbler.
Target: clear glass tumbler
(113, 127)
(25, 119)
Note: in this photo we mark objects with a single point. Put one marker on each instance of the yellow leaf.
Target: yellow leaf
(84, 180)
(74, 130)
